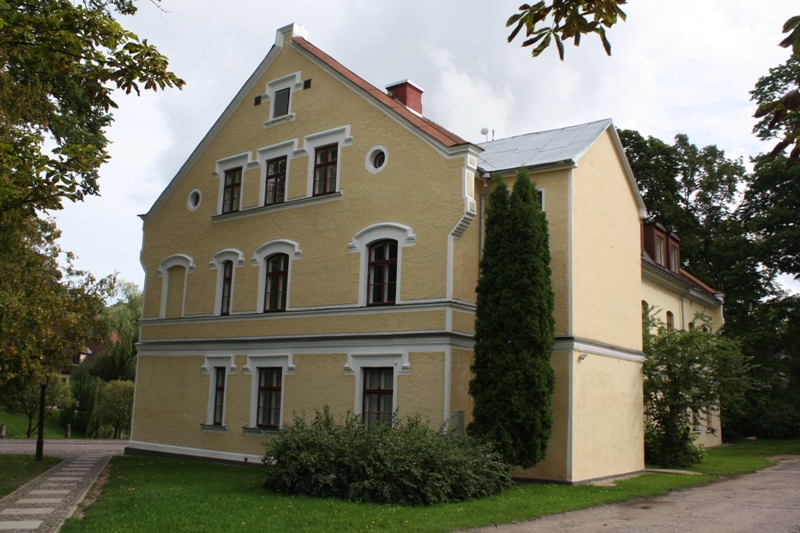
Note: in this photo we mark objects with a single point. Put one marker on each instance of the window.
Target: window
(276, 181)
(227, 286)
(276, 283)
(325, 163)
(382, 267)
(219, 394)
(670, 321)
(660, 251)
(268, 371)
(281, 106)
(173, 272)
(269, 398)
(217, 368)
(378, 395)
(674, 259)
(232, 190)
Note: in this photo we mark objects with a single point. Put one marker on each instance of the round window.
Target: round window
(194, 199)
(376, 159)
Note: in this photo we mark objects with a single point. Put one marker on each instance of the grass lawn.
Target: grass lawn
(16, 470)
(146, 494)
(17, 426)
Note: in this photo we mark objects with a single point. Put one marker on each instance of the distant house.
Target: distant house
(677, 297)
(321, 246)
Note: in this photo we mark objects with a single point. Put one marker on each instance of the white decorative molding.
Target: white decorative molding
(369, 159)
(168, 449)
(237, 258)
(172, 261)
(259, 259)
(283, 149)
(255, 361)
(211, 362)
(358, 361)
(339, 136)
(396, 231)
(242, 161)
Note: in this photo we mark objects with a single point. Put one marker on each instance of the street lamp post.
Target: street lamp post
(40, 438)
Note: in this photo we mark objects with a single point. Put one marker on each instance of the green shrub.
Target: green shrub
(405, 463)
(668, 450)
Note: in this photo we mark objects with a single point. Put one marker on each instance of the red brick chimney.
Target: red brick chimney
(407, 93)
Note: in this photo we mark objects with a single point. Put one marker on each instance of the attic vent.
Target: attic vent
(257, 100)
(307, 83)
(281, 103)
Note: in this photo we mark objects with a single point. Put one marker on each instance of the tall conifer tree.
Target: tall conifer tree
(513, 381)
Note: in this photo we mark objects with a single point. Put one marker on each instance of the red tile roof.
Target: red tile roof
(431, 128)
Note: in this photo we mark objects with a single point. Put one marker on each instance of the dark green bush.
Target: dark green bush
(671, 451)
(407, 463)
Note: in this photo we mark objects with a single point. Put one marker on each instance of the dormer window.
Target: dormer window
(674, 259)
(660, 250)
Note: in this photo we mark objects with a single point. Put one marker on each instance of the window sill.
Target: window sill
(279, 120)
(213, 428)
(251, 431)
(271, 208)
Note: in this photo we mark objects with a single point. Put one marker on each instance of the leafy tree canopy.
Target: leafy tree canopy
(48, 310)
(561, 20)
(686, 374)
(60, 63)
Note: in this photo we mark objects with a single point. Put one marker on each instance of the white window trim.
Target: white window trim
(356, 362)
(284, 149)
(211, 362)
(254, 363)
(402, 233)
(541, 190)
(199, 199)
(341, 136)
(371, 154)
(163, 272)
(243, 161)
(293, 82)
(278, 246)
(228, 254)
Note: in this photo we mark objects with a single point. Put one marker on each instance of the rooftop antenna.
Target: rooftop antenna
(485, 133)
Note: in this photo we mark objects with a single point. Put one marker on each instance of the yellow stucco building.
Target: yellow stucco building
(321, 247)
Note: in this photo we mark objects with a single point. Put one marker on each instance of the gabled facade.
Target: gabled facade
(321, 247)
(676, 298)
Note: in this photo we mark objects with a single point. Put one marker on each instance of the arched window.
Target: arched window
(382, 267)
(227, 286)
(670, 321)
(276, 282)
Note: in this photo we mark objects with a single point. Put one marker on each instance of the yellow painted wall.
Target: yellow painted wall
(326, 274)
(467, 254)
(683, 308)
(555, 465)
(282, 324)
(175, 282)
(608, 426)
(421, 392)
(319, 380)
(464, 322)
(606, 253)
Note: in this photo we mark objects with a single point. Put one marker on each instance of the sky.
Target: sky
(677, 66)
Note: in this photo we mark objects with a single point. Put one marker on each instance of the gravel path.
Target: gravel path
(767, 501)
(43, 504)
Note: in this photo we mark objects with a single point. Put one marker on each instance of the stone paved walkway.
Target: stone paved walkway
(44, 503)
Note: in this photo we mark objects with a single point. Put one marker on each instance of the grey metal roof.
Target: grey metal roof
(541, 147)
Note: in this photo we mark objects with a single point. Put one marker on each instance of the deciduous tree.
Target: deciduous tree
(513, 381)
(60, 63)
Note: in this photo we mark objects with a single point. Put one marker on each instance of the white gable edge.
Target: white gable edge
(626, 167)
(212, 133)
